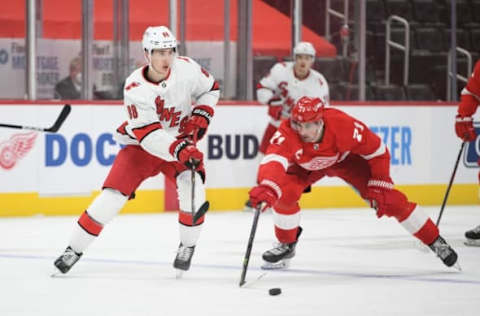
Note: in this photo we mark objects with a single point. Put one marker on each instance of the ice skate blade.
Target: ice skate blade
(56, 273)
(472, 243)
(179, 274)
(282, 264)
(457, 267)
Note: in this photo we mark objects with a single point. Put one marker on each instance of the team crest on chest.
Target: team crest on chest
(317, 163)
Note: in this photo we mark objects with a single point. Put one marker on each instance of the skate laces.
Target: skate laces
(69, 257)
(279, 248)
(442, 249)
(476, 229)
(184, 253)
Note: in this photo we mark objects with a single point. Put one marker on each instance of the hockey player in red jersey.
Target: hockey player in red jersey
(160, 133)
(284, 84)
(470, 98)
(317, 142)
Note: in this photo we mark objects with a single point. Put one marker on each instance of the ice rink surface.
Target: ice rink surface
(348, 263)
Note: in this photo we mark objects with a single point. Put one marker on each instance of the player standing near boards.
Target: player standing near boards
(470, 98)
(284, 84)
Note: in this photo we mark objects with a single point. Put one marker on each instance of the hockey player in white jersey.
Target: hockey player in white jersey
(160, 133)
(284, 85)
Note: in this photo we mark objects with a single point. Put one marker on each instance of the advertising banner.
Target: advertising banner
(76, 160)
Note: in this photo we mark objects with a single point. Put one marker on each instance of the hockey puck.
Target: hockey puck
(275, 291)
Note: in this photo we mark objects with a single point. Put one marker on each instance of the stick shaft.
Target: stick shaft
(445, 198)
(250, 245)
(53, 129)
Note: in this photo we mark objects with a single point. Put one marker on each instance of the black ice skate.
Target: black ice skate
(445, 252)
(183, 259)
(279, 257)
(473, 237)
(66, 261)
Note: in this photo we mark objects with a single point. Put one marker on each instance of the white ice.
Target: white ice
(348, 263)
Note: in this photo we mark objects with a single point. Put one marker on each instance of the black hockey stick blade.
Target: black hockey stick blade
(201, 211)
(61, 118)
(250, 245)
(55, 127)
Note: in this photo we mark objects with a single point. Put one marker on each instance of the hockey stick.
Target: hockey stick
(204, 208)
(445, 198)
(258, 209)
(201, 211)
(53, 129)
(193, 179)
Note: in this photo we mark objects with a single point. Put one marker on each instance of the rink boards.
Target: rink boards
(44, 173)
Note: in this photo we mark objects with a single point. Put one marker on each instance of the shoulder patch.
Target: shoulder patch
(132, 85)
(184, 58)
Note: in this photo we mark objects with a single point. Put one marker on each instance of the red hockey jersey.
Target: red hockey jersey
(343, 135)
(470, 97)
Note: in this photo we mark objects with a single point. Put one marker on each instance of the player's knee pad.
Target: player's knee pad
(396, 204)
(106, 205)
(291, 194)
(184, 190)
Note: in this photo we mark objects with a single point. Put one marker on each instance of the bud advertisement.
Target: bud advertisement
(75, 160)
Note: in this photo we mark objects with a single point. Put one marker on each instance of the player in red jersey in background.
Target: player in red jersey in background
(159, 137)
(470, 98)
(317, 142)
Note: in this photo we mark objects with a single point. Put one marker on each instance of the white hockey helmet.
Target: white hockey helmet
(158, 37)
(305, 48)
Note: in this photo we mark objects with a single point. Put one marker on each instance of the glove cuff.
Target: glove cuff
(463, 119)
(275, 101)
(204, 111)
(385, 184)
(272, 186)
(177, 146)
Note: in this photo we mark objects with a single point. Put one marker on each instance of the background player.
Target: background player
(470, 98)
(285, 84)
(317, 142)
(160, 136)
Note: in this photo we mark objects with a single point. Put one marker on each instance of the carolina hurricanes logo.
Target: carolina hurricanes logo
(15, 149)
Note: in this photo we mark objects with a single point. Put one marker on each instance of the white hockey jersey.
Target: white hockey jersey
(281, 82)
(157, 112)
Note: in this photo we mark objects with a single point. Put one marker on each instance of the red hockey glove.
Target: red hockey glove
(262, 193)
(464, 128)
(187, 154)
(275, 106)
(378, 193)
(198, 121)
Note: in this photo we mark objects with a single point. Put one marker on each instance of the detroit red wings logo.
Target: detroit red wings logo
(318, 162)
(15, 149)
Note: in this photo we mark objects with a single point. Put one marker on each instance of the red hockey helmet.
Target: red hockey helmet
(308, 110)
